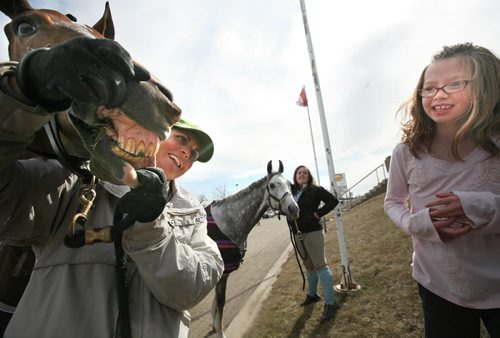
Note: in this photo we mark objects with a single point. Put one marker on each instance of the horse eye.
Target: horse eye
(25, 28)
(272, 185)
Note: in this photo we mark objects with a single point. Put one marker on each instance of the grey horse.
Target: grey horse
(231, 219)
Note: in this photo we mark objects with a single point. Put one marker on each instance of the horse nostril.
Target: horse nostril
(292, 209)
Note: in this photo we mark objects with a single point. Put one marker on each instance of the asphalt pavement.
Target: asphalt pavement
(268, 248)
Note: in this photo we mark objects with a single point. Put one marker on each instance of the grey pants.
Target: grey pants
(312, 247)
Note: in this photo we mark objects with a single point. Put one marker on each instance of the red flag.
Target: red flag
(302, 101)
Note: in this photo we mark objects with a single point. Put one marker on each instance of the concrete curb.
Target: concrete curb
(246, 316)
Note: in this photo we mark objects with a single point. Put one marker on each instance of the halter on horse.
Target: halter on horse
(232, 218)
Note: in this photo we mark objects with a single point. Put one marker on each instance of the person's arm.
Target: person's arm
(26, 205)
(396, 202)
(329, 200)
(175, 257)
(19, 120)
(482, 209)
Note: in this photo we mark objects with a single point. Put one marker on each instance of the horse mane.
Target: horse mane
(239, 193)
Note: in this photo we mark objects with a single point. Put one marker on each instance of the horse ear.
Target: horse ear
(105, 25)
(14, 7)
(269, 167)
(281, 167)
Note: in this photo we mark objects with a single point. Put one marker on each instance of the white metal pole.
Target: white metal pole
(323, 221)
(347, 283)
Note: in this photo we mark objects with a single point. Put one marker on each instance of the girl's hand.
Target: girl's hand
(444, 212)
(448, 204)
(446, 231)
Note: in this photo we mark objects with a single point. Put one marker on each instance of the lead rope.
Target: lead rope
(120, 224)
(297, 252)
(78, 236)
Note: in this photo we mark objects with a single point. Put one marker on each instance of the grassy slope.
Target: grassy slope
(387, 305)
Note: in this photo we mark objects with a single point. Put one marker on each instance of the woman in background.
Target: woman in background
(308, 231)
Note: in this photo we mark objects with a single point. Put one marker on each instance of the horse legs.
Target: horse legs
(218, 305)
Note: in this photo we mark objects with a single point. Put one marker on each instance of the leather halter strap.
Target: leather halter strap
(74, 164)
(271, 196)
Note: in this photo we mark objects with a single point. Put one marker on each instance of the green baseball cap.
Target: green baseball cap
(206, 143)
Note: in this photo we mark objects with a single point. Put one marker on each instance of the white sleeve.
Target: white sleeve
(482, 208)
(396, 202)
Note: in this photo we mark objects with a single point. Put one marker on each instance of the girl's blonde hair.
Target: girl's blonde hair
(482, 121)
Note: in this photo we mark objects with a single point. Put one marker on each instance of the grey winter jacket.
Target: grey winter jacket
(172, 263)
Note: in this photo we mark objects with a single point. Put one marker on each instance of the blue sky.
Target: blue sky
(236, 68)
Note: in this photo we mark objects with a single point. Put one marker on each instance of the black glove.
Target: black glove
(82, 69)
(146, 202)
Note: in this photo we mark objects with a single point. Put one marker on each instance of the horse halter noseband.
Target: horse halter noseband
(271, 196)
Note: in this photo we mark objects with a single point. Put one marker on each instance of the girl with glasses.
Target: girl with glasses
(444, 190)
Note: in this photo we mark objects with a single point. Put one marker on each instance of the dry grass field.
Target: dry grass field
(387, 305)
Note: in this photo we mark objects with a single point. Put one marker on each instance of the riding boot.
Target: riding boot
(326, 279)
(312, 287)
(328, 312)
(311, 300)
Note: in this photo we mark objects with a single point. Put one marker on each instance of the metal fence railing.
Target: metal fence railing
(380, 172)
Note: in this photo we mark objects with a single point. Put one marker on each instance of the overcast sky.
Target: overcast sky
(236, 68)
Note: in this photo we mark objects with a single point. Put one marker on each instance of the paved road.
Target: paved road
(266, 244)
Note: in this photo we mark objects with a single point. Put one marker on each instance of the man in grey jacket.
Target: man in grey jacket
(171, 262)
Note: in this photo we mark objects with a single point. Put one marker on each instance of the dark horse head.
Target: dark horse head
(115, 141)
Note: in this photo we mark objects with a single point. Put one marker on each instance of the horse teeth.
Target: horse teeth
(140, 149)
(130, 146)
(150, 151)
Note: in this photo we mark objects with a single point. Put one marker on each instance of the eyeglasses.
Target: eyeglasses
(453, 87)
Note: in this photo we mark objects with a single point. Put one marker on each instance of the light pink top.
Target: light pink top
(466, 270)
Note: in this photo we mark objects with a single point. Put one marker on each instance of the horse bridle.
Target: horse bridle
(271, 196)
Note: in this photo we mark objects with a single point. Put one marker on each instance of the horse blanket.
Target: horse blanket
(231, 252)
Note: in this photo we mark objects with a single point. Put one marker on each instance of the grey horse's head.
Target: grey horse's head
(279, 192)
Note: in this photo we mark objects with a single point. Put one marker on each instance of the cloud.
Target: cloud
(236, 68)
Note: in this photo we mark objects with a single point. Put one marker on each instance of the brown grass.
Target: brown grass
(387, 305)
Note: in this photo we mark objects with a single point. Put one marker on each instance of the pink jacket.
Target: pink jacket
(466, 270)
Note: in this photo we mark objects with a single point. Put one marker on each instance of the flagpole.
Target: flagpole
(323, 221)
(312, 140)
(347, 282)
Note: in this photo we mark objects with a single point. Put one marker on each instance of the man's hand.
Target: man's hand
(146, 202)
(82, 69)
